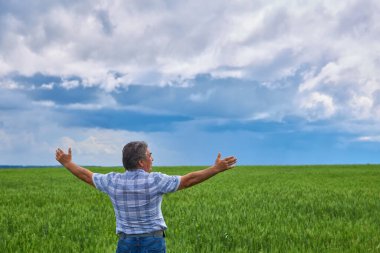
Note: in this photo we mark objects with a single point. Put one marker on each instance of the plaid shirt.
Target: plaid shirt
(136, 197)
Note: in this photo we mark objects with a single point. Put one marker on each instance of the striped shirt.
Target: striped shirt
(136, 197)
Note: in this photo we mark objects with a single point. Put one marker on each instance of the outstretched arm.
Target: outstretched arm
(81, 173)
(197, 177)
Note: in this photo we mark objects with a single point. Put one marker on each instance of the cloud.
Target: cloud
(47, 86)
(10, 85)
(241, 35)
(318, 106)
(45, 103)
(368, 138)
(70, 84)
(80, 70)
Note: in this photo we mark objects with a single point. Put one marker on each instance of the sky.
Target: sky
(270, 82)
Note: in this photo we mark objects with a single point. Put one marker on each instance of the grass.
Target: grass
(247, 209)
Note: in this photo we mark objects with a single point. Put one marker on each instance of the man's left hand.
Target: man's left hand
(62, 157)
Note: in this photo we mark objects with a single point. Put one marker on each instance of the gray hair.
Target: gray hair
(133, 152)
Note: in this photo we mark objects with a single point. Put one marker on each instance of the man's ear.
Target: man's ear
(141, 163)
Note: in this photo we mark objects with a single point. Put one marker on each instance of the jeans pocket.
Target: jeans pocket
(154, 245)
(125, 246)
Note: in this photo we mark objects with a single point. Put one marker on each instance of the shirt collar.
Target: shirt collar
(138, 170)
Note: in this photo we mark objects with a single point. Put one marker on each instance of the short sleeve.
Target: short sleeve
(103, 182)
(166, 183)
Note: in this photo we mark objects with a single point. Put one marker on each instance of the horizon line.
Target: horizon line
(5, 166)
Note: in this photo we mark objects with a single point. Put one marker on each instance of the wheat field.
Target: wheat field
(247, 209)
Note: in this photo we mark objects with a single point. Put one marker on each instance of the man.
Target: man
(136, 194)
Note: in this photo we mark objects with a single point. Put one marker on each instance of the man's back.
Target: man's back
(136, 197)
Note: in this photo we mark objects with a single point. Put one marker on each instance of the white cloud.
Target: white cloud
(103, 147)
(70, 84)
(361, 107)
(260, 116)
(47, 86)
(79, 106)
(111, 82)
(177, 38)
(4, 67)
(44, 103)
(368, 138)
(200, 97)
(92, 145)
(318, 106)
(220, 73)
(10, 85)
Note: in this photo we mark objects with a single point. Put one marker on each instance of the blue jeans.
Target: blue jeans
(148, 244)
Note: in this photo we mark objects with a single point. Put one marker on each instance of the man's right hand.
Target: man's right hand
(225, 163)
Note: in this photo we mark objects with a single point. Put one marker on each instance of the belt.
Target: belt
(159, 233)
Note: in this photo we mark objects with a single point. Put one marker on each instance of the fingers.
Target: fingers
(231, 162)
(227, 162)
(230, 158)
(59, 154)
(60, 151)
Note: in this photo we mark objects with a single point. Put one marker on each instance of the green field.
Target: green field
(247, 209)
